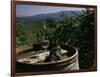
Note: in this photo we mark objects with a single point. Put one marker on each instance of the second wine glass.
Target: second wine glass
(45, 42)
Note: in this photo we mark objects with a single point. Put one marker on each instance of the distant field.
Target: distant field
(32, 31)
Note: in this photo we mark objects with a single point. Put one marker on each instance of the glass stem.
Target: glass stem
(45, 49)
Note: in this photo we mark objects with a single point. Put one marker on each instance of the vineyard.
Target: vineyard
(76, 31)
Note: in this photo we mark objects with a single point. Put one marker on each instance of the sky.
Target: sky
(31, 10)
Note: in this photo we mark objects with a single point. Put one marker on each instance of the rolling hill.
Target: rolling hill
(42, 17)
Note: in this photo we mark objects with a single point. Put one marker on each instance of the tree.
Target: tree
(77, 31)
(87, 39)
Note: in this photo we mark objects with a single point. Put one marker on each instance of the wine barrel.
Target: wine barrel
(66, 64)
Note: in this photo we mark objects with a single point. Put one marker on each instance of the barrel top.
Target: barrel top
(73, 56)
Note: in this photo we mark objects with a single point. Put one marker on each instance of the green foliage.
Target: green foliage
(86, 43)
(77, 31)
(20, 34)
(63, 26)
(28, 33)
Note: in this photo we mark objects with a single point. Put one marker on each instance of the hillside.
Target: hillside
(46, 16)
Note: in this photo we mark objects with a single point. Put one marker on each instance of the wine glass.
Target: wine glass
(45, 42)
